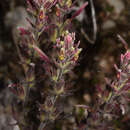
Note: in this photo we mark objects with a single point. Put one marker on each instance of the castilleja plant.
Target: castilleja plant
(111, 103)
(49, 27)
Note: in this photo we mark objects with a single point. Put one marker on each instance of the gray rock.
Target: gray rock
(117, 4)
(108, 24)
(6, 121)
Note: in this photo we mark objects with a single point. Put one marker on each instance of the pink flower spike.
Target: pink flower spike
(43, 56)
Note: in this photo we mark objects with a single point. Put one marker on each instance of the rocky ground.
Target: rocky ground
(96, 62)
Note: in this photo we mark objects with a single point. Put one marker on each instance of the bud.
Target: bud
(68, 39)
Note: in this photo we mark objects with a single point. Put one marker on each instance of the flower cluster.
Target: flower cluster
(67, 55)
(69, 52)
(49, 27)
(48, 24)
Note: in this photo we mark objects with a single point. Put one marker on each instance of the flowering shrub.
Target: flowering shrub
(50, 29)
